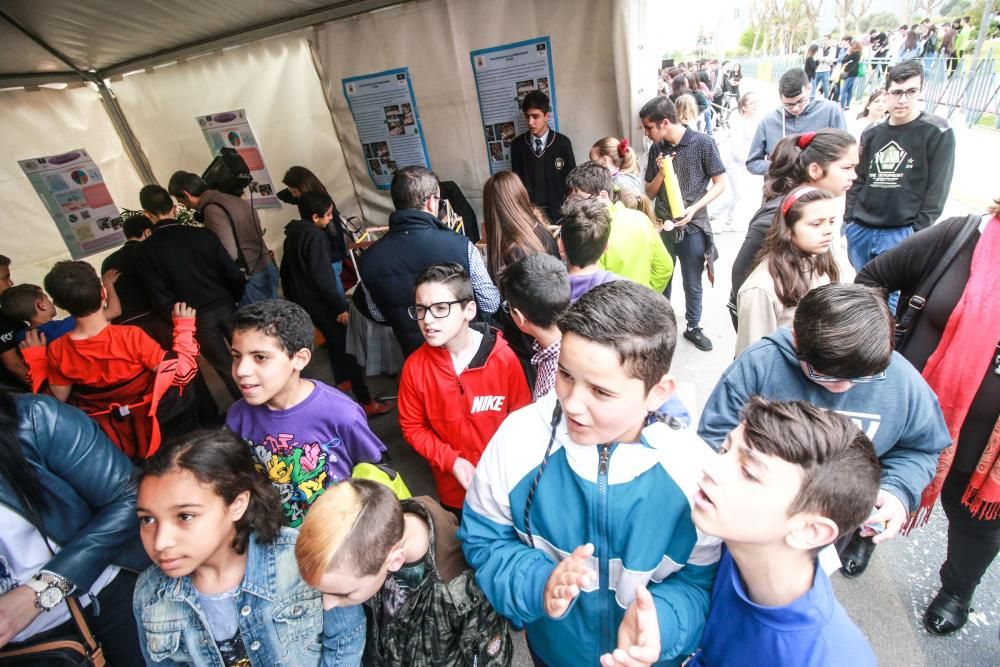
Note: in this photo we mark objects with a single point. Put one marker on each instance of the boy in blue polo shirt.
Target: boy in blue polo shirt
(791, 478)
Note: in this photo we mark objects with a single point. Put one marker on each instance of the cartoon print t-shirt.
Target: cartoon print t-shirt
(307, 447)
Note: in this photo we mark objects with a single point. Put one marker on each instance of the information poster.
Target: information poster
(385, 114)
(504, 75)
(231, 129)
(75, 195)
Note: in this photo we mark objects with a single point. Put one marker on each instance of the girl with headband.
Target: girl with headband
(825, 160)
(617, 155)
(795, 258)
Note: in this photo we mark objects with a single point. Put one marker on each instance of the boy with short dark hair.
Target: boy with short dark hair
(115, 373)
(538, 291)
(541, 156)
(578, 520)
(791, 479)
(31, 305)
(583, 239)
(303, 434)
(403, 562)
(459, 385)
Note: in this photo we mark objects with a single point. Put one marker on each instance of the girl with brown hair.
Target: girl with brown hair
(515, 228)
(795, 258)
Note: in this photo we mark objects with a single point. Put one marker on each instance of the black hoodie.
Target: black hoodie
(306, 268)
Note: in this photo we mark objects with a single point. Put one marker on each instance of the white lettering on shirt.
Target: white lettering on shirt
(487, 403)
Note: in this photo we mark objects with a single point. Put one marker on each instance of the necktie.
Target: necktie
(538, 146)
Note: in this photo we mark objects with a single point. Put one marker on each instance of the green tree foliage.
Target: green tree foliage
(878, 21)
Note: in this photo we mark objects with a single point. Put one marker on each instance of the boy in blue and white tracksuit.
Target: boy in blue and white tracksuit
(630, 498)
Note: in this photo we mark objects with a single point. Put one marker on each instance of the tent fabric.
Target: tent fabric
(434, 39)
(51, 122)
(276, 82)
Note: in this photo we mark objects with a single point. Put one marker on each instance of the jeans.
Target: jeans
(343, 636)
(111, 620)
(690, 251)
(213, 331)
(821, 80)
(973, 543)
(865, 243)
(262, 285)
(847, 91)
(345, 366)
(338, 268)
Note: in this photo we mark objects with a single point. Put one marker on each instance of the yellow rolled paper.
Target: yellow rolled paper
(673, 188)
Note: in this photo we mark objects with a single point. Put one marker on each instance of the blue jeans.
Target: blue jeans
(262, 285)
(865, 243)
(690, 251)
(821, 80)
(847, 91)
(343, 636)
(337, 268)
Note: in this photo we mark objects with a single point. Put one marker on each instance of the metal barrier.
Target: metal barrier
(950, 83)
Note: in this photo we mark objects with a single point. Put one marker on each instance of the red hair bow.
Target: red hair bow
(622, 148)
(805, 139)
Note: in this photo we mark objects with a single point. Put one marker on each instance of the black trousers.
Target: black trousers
(214, 331)
(972, 543)
(345, 366)
(113, 625)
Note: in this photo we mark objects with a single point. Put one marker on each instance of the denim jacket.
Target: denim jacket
(280, 616)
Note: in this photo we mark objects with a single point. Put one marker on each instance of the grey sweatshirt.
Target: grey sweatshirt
(818, 115)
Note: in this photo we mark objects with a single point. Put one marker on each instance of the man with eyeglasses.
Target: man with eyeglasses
(838, 355)
(904, 173)
(798, 113)
(417, 239)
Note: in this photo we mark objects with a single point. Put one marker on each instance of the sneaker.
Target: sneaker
(947, 613)
(699, 339)
(375, 408)
(344, 386)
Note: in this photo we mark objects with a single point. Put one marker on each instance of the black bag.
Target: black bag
(915, 304)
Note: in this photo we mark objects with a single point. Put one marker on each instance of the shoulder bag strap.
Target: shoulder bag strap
(241, 260)
(917, 301)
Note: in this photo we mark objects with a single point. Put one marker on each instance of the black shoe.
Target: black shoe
(699, 339)
(856, 555)
(946, 613)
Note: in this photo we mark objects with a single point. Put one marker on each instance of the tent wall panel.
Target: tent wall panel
(434, 38)
(276, 82)
(49, 122)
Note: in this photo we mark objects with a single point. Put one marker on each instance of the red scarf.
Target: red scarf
(955, 372)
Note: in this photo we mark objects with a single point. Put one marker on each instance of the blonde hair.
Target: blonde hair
(687, 110)
(637, 202)
(609, 147)
(334, 533)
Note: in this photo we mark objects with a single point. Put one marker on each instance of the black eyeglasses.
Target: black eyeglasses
(816, 376)
(439, 310)
(910, 93)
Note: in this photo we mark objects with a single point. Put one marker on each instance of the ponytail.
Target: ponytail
(621, 154)
(792, 156)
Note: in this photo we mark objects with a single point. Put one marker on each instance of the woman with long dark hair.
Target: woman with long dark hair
(825, 160)
(514, 227)
(67, 529)
(795, 258)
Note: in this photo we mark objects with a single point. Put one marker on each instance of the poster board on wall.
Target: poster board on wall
(231, 129)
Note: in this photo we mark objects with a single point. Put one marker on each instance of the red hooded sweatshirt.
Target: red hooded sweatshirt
(444, 415)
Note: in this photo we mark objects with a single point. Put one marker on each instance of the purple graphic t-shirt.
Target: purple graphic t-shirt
(307, 447)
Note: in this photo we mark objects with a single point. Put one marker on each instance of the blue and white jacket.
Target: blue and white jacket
(632, 501)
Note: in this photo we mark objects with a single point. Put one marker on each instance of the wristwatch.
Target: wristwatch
(50, 589)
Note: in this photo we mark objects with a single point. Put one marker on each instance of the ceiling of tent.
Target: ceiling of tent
(110, 36)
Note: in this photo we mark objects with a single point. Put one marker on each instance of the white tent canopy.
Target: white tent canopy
(139, 73)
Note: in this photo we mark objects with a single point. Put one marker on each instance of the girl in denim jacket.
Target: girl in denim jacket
(225, 589)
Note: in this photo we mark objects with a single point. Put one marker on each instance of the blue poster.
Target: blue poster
(385, 114)
(504, 75)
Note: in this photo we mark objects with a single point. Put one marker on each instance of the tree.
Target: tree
(955, 8)
(858, 9)
(878, 21)
(747, 39)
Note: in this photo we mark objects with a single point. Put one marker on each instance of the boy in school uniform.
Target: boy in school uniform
(792, 477)
(541, 156)
(403, 563)
(583, 240)
(459, 385)
(537, 290)
(303, 434)
(578, 520)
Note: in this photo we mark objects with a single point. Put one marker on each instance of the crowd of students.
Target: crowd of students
(574, 497)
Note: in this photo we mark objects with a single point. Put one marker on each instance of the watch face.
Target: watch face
(50, 597)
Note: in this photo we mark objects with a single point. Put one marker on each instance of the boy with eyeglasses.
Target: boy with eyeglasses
(904, 173)
(459, 385)
(838, 356)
